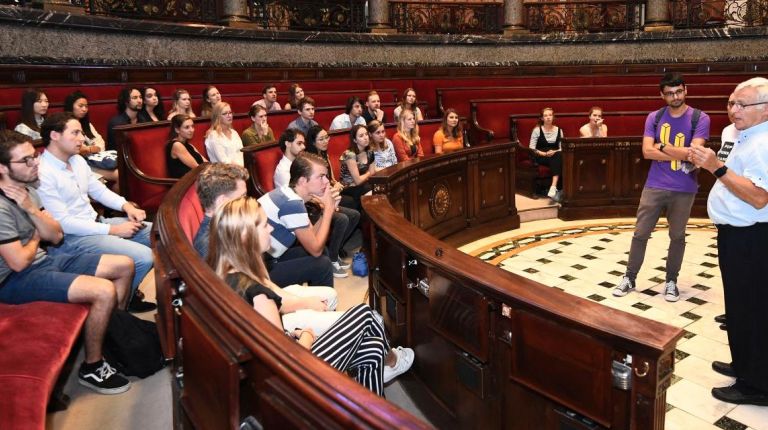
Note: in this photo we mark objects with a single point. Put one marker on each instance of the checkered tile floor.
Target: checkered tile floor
(588, 260)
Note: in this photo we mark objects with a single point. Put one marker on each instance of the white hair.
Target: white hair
(758, 83)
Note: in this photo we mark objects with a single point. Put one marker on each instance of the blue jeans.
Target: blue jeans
(137, 247)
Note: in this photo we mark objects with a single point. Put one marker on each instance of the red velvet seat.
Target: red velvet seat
(35, 339)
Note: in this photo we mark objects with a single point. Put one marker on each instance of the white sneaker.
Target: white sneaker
(338, 272)
(552, 192)
(404, 361)
(342, 264)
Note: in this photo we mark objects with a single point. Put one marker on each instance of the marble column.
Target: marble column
(378, 17)
(234, 13)
(514, 17)
(657, 16)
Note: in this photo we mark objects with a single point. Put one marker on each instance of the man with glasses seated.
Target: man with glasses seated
(672, 182)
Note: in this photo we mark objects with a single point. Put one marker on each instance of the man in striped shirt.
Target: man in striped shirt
(297, 251)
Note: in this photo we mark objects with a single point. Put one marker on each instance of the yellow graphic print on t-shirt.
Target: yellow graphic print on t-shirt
(679, 142)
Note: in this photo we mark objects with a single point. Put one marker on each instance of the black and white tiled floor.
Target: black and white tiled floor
(588, 258)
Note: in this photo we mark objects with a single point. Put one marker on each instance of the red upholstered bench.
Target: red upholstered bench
(35, 339)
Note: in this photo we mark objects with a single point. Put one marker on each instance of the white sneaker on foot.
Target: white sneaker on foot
(338, 272)
(404, 361)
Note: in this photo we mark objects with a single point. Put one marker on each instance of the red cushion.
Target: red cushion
(190, 213)
(35, 340)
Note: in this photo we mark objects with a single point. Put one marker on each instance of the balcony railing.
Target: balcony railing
(310, 15)
(584, 16)
(446, 18)
(718, 13)
(203, 11)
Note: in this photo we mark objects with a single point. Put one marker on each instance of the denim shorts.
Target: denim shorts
(47, 280)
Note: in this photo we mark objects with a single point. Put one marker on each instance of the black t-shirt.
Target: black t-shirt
(254, 289)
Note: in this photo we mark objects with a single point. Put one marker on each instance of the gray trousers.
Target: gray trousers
(678, 207)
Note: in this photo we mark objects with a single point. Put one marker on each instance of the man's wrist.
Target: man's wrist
(720, 171)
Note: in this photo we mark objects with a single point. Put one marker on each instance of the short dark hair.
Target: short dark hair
(306, 101)
(289, 135)
(312, 138)
(351, 102)
(266, 88)
(55, 122)
(671, 79)
(10, 139)
(218, 179)
(302, 167)
(124, 97)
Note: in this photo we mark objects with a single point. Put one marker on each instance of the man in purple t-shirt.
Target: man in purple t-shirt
(672, 181)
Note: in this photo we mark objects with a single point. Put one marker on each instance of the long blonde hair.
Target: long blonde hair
(216, 118)
(233, 243)
(411, 138)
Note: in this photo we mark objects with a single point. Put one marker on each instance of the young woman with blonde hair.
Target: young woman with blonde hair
(407, 141)
(355, 343)
(222, 143)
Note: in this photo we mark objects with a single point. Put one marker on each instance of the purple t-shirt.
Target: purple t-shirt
(669, 175)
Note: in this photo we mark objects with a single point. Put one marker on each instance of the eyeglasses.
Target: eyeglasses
(674, 93)
(29, 160)
(740, 106)
(226, 113)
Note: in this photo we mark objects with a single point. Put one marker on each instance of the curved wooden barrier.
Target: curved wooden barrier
(231, 365)
(493, 349)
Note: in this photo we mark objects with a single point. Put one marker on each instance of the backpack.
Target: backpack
(132, 345)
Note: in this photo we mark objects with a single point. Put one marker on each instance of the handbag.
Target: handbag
(104, 160)
(359, 264)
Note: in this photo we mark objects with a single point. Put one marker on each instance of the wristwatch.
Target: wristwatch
(720, 172)
(661, 146)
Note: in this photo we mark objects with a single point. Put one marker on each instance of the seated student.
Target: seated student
(383, 148)
(129, 103)
(356, 343)
(28, 274)
(352, 115)
(180, 155)
(211, 97)
(373, 110)
(296, 93)
(268, 99)
(546, 145)
(408, 102)
(94, 144)
(291, 144)
(182, 103)
(66, 189)
(34, 106)
(152, 109)
(357, 165)
(450, 136)
(259, 131)
(313, 307)
(595, 127)
(306, 116)
(290, 262)
(407, 140)
(222, 143)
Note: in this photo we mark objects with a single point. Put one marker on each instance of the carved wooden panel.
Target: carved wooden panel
(571, 368)
(441, 196)
(459, 313)
(592, 174)
(390, 266)
(492, 198)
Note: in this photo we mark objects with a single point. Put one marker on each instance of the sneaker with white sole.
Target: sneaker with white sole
(625, 287)
(344, 265)
(404, 361)
(671, 293)
(338, 272)
(102, 378)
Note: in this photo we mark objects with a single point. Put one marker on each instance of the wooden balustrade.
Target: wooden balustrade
(493, 349)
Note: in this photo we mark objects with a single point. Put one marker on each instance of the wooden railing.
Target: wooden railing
(232, 366)
(426, 17)
(584, 15)
(495, 350)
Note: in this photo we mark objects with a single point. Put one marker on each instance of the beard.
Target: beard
(30, 180)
